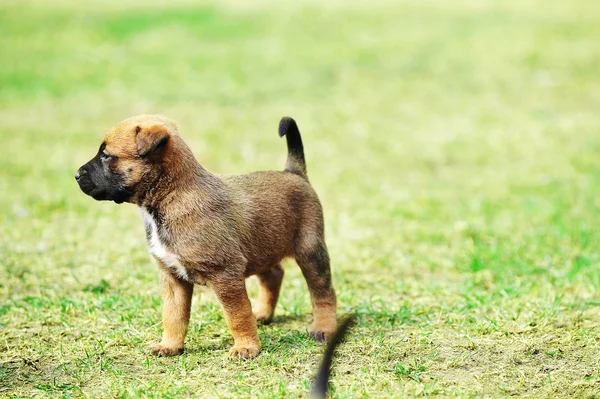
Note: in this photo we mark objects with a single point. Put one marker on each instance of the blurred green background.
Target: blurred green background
(454, 144)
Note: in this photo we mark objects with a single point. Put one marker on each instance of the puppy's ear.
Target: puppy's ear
(150, 139)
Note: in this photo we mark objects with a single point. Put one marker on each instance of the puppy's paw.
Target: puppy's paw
(244, 352)
(263, 317)
(162, 350)
(322, 330)
(320, 336)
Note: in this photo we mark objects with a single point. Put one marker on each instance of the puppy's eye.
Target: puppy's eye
(104, 156)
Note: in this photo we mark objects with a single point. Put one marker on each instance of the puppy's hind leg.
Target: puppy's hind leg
(270, 284)
(314, 263)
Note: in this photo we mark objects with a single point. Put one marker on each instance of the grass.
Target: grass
(454, 146)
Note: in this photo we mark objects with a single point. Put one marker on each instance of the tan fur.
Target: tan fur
(222, 229)
(270, 284)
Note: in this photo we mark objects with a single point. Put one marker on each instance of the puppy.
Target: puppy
(214, 230)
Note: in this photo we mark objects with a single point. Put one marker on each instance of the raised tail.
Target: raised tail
(295, 161)
(321, 385)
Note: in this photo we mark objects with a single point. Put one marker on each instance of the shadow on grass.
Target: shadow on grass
(280, 320)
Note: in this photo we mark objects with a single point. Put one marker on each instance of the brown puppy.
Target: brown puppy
(214, 230)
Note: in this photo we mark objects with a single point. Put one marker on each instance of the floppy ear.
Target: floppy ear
(150, 139)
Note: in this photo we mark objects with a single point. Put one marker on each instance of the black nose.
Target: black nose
(79, 173)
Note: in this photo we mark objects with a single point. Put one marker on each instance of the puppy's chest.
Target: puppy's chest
(158, 249)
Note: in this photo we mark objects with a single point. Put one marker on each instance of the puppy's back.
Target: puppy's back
(277, 205)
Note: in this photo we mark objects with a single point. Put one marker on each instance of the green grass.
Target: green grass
(454, 144)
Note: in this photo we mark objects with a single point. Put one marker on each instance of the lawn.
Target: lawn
(455, 146)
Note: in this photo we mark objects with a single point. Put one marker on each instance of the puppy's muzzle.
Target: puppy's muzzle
(86, 183)
(100, 184)
(83, 179)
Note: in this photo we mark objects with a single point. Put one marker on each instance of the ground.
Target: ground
(455, 146)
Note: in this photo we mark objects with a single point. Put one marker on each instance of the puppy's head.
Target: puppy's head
(128, 159)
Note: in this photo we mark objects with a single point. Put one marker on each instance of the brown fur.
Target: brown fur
(222, 229)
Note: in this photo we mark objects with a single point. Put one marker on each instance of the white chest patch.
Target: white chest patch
(157, 248)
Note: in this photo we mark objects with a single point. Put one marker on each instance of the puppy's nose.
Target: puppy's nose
(79, 174)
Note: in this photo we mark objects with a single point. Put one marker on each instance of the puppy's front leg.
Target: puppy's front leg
(238, 314)
(177, 300)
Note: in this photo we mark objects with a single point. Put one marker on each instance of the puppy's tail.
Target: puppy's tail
(321, 384)
(295, 160)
